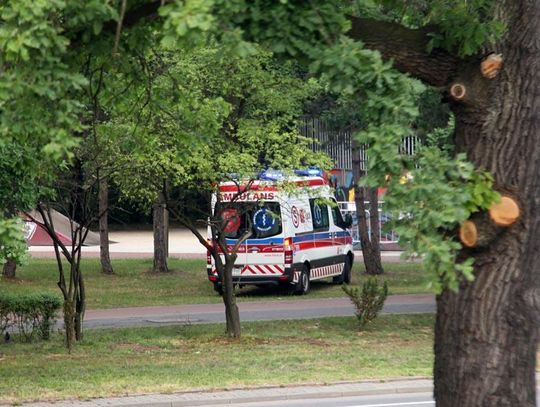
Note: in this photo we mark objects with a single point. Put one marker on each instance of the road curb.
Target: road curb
(257, 394)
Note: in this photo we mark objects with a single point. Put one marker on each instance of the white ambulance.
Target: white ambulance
(296, 237)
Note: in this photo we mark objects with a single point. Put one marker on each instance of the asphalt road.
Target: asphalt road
(249, 311)
(379, 400)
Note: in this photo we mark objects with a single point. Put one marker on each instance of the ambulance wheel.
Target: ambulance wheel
(303, 283)
(345, 276)
(347, 271)
(218, 288)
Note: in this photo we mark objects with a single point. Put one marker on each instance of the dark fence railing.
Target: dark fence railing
(337, 144)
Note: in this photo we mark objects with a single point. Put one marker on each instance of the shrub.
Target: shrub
(29, 315)
(370, 302)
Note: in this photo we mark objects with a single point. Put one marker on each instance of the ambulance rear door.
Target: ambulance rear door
(235, 224)
(265, 246)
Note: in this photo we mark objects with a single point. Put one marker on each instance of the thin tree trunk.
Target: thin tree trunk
(69, 323)
(80, 306)
(375, 236)
(371, 252)
(9, 269)
(106, 266)
(160, 236)
(232, 314)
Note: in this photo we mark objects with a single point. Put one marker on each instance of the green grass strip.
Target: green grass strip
(171, 359)
(133, 285)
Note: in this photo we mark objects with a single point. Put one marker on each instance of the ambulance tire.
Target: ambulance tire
(347, 271)
(345, 276)
(303, 283)
(218, 288)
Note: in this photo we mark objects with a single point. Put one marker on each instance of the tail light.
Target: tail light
(288, 249)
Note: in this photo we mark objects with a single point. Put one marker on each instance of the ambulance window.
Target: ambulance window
(319, 214)
(233, 220)
(264, 219)
(336, 215)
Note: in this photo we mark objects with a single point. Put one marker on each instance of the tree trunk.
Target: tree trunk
(80, 306)
(9, 269)
(106, 266)
(69, 323)
(371, 252)
(160, 236)
(232, 315)
(486, 336)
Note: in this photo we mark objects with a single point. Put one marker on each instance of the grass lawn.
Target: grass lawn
(169, 359)
(187, 283)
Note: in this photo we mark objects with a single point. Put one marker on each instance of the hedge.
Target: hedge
(30, 315)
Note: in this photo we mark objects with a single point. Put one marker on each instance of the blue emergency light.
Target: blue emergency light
(310, 172)
(271, 175)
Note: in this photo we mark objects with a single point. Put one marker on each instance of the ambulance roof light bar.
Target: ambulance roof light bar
(271, 175)
(310, 172)
(276, 175)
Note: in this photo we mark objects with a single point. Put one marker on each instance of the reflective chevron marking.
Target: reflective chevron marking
(263, 269)
(326, 271)
(296, 277)
(259, 270)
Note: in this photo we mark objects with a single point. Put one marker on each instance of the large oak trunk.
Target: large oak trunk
(486, 335)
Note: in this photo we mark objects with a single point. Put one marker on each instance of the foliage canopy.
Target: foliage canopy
(68, 42)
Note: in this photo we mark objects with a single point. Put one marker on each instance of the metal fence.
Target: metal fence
(386, 237)
(337, 144)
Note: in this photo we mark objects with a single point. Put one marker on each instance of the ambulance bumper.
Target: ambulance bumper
(277, 279)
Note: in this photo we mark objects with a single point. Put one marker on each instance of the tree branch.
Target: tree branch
(148, 10)
(407, 48)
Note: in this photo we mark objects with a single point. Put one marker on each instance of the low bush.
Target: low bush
(29, 315)
(369, 302)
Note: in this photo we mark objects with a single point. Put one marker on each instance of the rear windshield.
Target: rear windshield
(262, 218)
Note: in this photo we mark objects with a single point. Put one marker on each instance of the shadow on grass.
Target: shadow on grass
(271, 291)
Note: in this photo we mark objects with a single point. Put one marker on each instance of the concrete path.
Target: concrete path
(249, 311)
(410, 385)
(140, 244)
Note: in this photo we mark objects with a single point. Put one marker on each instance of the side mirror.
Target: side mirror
(347, 221)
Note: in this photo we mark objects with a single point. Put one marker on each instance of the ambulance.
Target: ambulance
(298, 234)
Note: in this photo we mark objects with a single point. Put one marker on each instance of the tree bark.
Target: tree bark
(232, 314)
(80, 306)
(407, 48)
(106, 266)
(486, 335)
(371, 252)
(160, 236)
(9, 269)
(69, 323)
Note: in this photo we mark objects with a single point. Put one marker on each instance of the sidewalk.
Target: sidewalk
(224, 397)
(140, 244)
